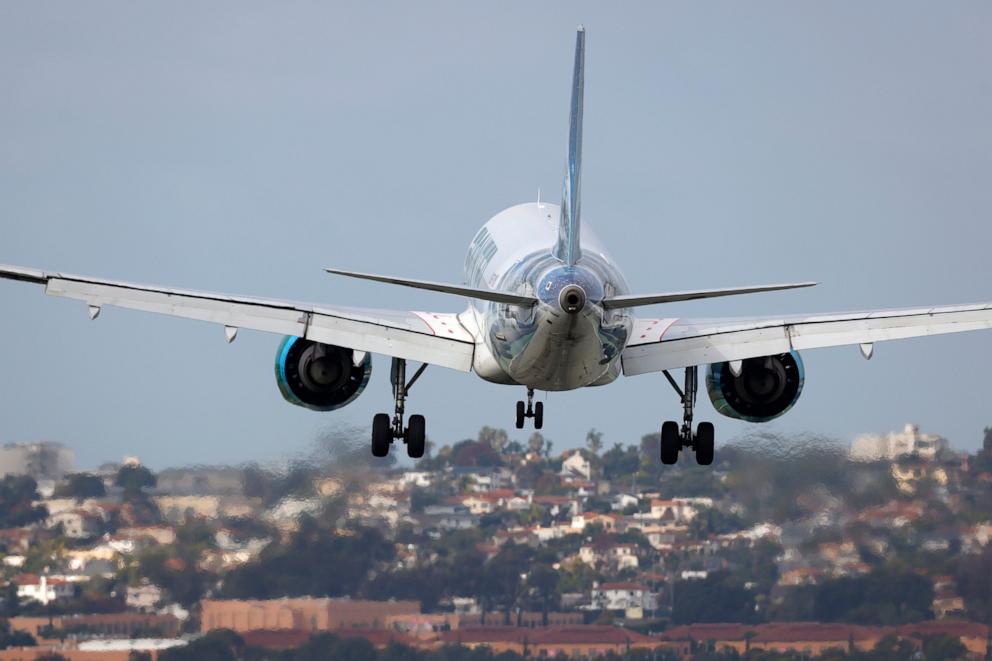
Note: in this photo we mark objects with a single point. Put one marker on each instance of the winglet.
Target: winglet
(567, 249)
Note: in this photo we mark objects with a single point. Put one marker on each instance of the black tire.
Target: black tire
(705, 442)
(382, 435)
(520, 415)
(416, 436)
(671, 442)
(538, 415)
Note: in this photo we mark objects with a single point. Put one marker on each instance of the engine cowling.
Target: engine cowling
(766, 388)
(322, 377)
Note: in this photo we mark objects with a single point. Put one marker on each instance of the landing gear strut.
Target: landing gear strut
(674, 438)
(532, 410)
(385, 430)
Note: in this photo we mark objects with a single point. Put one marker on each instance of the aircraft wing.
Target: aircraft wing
(435, 338)
(661, 344)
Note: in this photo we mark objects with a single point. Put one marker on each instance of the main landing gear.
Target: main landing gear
(673, 438)
(384, 430)
(533, 410)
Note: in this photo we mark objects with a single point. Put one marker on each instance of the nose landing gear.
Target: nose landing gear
(674, 438)
(385, 430)
(532, 410)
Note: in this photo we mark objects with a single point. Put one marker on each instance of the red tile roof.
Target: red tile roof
(564, 635)
(775, 632)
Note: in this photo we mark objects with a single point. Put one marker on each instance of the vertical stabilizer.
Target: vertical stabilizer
(567, 249)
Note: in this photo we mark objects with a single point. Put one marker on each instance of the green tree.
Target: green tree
(543, 581)
(316, 561)
(720, 597)
(535, 443)
(134, 479)
(620, 463)
(883, 597)
(594, 441)
(12, 638)
(983, 458)
(494, 438)
(81, 486)
(892, 648)
(943, 648)
(328, 646)
(17, 496)
(216, 645)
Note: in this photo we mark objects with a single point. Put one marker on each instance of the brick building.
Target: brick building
(306, 614)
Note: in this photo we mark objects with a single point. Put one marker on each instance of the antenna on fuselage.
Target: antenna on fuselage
(567, 248)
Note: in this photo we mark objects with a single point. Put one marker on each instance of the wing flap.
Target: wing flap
(687, 342)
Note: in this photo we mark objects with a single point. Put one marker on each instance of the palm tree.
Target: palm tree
(594, 441)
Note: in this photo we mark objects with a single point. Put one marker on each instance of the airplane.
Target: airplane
(548, 310)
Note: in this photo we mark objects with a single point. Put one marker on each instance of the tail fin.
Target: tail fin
(567, 249)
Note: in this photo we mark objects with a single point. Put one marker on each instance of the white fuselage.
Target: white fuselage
(544, 347)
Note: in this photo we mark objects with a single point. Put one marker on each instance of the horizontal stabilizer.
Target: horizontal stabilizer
(461, 290)
(637, 300)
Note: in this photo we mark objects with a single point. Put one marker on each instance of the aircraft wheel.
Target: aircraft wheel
(671, 442)
(416, 436)
(705, 436)
(538, 415)
(382, 435)
(521, 414)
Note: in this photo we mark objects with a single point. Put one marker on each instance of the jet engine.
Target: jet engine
(321, 377)
(764, 389)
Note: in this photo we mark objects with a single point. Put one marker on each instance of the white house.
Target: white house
(576, 466)
(143, 597)
(675, 510)
(623, 597)
(42, 588)
(76, 524)
(873, 447)
(624, 500)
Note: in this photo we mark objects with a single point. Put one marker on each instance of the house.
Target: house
(609, 522)
(76, 524)
(675, 510)
(615, 556)
(143, 597)
(576, 466)
(43, 589)
(874, 447)
(800, 576)
(662, 537)
(975, 538)
(632, 598)
(624, 500)
(449, 517)
(419, 479)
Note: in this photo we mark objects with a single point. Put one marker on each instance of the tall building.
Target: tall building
(875, 447)
(43, 460)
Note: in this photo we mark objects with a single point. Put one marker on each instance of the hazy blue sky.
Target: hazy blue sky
(243, 146)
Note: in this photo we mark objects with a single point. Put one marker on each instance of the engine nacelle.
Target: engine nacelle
(766, 388)
(321, 377)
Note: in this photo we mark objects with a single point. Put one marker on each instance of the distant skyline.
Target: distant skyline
(242, 147)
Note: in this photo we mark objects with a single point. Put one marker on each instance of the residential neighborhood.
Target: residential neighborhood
(501, 547)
